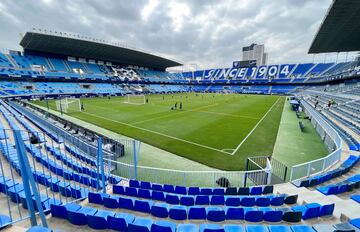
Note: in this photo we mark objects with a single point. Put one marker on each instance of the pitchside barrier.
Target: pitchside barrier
(331, 139)
(191, 178)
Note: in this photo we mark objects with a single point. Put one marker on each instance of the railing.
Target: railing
(331, 139)
(211, 178)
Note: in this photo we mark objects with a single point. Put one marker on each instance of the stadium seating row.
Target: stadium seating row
(213, 213)
(347, 185)
(190, 200)
(18, 64)
(318, 179)
(104, 219)
(255, 190)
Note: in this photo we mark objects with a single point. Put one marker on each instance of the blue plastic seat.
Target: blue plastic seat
(144, 193)
(217, 200)
(248, 201)
(215, 214)
(60, 211)
(206, 191)
(140, 225)
(302, 228)
(46, 205)
(218, 191)
(180, 190)
(253, 214)
(308, 211)
(143, 206)
(157, 196)
(78, 192)
(145, 185)
(356, 198)
(193, 190)
(172, 199)
(6, 185)
(120, 221)
(233, 228)
(328, 190)
(187, 201)
(271, 215)
(163, 226)
(37, 229)
(126, 203)
(232, 201)
(79, 217)
(211, 228)
(64, 188)
(202, 200)
(111, 201)
(277, 200)
(160, 210)
(4, 220)
(168, 188)
(279, 228)
(326, 210)
(256, 190)
(97, 198)
(134, 183)
(178, 212)
(234, 213)
(118, 189)
(130, 191)
(14, 191)
(197, 213)
(187, 228)
(98, 221)
(262, 201)
(355, 222)
(256, 228)
(157, 187)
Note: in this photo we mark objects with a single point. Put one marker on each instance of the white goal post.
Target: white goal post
(68, 105)
(135, 99)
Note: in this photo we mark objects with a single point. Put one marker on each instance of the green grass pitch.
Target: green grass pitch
(217, 130)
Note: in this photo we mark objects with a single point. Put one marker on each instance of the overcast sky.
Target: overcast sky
(209, 33)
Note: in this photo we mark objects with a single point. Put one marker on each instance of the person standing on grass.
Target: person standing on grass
(180, 106)
(147, 100)
(82, 106)
(175, 105)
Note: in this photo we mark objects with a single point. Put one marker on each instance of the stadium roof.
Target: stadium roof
(340, 29)
(77, 47)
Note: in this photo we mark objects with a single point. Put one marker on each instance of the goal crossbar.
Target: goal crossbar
(68, 105)
(135, 99)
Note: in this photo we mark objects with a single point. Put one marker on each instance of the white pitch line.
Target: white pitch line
(253, 129)
(155, 132)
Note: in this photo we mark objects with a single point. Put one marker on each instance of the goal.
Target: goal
(134, 99)
(68, 105)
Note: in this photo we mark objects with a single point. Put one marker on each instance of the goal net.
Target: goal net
(68, 105)
(134, 99)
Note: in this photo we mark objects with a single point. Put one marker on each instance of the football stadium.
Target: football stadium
(101, 136)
